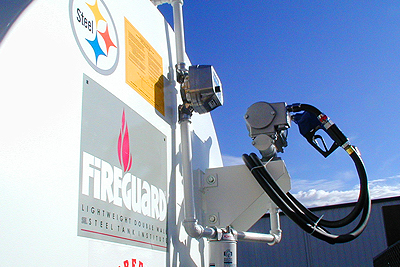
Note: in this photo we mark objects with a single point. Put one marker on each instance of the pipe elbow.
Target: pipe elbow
(194, 230)
(277, 234)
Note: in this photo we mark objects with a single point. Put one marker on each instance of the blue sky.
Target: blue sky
(340, 56)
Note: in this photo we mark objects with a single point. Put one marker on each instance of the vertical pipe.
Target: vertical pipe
(190, 222)
(179, 33)
(186, 150)
(275, 224)
(274, 217)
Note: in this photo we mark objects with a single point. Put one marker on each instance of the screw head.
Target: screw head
(213, 218)
(211, 179)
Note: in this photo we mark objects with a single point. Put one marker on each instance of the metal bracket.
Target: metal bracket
(231, 196)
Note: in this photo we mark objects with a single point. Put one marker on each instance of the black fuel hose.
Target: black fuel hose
(297, 212)
(340, 139)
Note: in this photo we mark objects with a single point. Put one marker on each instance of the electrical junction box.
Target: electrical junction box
(266, 118)
(205, 88)
(231, 196)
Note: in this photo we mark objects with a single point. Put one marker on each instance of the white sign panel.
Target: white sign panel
(123, 175)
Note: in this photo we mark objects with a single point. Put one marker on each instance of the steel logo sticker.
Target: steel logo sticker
(95, 33)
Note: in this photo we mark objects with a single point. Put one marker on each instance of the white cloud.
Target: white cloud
(313, 197)
(338, 181)
(306, 185)
(377, 181)
(378, 189)
(385, 191)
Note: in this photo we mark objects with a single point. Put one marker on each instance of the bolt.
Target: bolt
(272, 112)
(213, 218)
(211, 179)
(246, 116)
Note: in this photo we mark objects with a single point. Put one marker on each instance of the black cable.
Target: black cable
(271, 182)
(313, 229)
(275, 198)
(310, 226)
(357, 209)
(302, 216)
(362, 197)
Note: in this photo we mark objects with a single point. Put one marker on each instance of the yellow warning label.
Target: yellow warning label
(143, 66)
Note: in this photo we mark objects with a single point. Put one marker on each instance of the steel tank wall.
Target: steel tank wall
(43, 75)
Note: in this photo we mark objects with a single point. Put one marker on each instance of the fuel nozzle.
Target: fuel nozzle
(310, 120)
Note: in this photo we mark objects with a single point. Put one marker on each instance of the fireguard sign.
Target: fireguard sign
(123, 175)
(95, 33)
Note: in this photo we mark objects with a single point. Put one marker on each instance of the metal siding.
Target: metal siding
(298, 248)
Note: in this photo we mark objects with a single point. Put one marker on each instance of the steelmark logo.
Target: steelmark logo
(95, 34)
(117, 186)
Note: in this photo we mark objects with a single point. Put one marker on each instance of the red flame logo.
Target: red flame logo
(125, 158)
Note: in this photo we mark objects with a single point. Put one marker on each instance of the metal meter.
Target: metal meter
(204, 89)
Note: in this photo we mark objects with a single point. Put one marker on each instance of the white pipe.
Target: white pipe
(190, 222)
(178, 29)
(186, 153)
(255, 237)
(179, 34)
(275, 235)
(275, 224)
